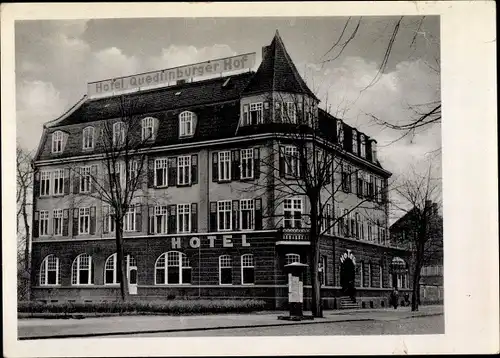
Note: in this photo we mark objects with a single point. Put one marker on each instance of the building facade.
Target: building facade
(209, 218)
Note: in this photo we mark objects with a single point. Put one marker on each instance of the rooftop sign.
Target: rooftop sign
(170, 76)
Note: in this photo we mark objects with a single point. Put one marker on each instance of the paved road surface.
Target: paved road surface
(416, 325)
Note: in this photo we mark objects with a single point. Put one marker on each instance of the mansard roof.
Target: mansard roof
(277, 72)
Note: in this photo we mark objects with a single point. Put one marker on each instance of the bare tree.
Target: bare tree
(123, 143)
(303, 161)
(421, 227)
(24, 182)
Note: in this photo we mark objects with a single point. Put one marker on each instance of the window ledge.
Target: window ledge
(50, 285)
(186, 136)
(248, 284)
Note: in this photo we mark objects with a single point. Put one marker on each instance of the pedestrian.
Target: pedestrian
(394, 298)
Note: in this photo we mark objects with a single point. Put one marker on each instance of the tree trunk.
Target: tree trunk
(121, 264)
(416, 282)
(316, 308)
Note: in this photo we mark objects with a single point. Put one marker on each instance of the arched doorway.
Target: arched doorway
(348, 274)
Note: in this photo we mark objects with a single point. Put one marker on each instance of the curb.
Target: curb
(321, 321)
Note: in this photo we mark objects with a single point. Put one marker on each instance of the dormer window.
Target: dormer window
(340, 133)
(256, 113)
(57, 142)
(186, 123)
(362, 143)
(148, 128)
(354, 141)
(374, 151)
(118, 133)
(88, 138)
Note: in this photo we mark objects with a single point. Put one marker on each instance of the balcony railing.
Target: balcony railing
(295, 235)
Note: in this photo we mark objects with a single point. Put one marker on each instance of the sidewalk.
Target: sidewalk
(35, 328)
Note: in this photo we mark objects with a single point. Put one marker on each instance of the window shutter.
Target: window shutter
(75, 221)
(151, 220)
(215, 169)
(93, 178)
(267, 113)
(151, 173)
(65, 221)
(36, 224)
(213, 216)
(303, 164)
(105, 219)
(258, 214)
(194, 217)
(92, 220)
(194, 169)
(256, 163)
(66, 181)
(138, 218)
(172, 172)
(76, 181)
(235, 214)
(282, 161)
(277, 111)
(36, 185)
(172, 220)
(235, 164)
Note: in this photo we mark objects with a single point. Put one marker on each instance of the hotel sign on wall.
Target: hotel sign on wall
(170, 76)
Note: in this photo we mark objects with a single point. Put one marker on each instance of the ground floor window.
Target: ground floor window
(81, 270)
(49, 271)
(291, 258)
(247, 269)
(111, 269)
(225, 270)
(172, 268)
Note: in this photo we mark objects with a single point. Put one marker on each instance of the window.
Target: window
(184, 170)
(224, 215)
(246, 163)
(148, 128)
(374, 151)
(85, 179)
(362, 143)
(183, 218)
(58, 181)
(161, 170)
(88, 138)
(293, 213)
(369, 275)
(133, 170)
(291, 258)
(381, 276)
(109, 219)
(111, 276)
(57, 142)
(44, 183)
(362, 274)
(290, 114)
(116, 175)
(49, 271)
(292, 166)
(340, 133)
(357, 227)
(58, 222)
(83, 220)
(354, 141)
(118, 133)
(81, 270)
(172, 268)
(247, 214)
(322, 270)
(225, 270)
(247, 270)
(359, 188)
(129, 219)
(256, 113)
(160, 220)
(347, 224)
(186, 123)
(370, 232)
(346, 178)
(44, 223)
(225, 165)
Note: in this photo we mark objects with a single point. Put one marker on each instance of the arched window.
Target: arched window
(172, 268)
(82, 270)
(148, 128)
(49, 271)
(225, 270)
(111, 269)
(291, 258)
(186, 123)
(88, 138)
(362, 143)
(118, 133)
(247, 269)
(57, 142)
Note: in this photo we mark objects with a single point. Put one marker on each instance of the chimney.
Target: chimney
(435, 210)
(374, 150)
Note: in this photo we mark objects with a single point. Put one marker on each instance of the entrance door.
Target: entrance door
(132, 275)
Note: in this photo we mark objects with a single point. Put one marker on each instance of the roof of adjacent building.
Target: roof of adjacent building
(277, 72)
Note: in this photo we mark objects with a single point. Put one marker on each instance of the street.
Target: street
(414, 325)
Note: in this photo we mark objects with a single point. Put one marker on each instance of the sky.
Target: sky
(55, 59)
